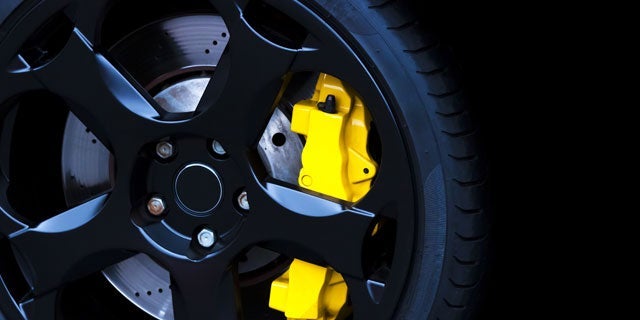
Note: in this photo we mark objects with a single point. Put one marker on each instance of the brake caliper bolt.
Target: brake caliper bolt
(156, 206)
(206, 238)
(243, 201)
(217, 148)
(164, 150)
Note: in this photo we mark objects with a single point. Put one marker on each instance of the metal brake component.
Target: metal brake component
(335, 162)
(307, 291)
(336, 124)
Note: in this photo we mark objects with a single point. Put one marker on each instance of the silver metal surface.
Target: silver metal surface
(180, 47)
(183, 96)
(168, 48)
(206, 238)
(156, 206)
(282, 162)
(217, 148)
(86, 163)
(145, 283)
(243, 201)
(164, 149)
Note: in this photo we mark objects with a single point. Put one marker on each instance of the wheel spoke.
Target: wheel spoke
(331, 59)
(98, 93)
(8, 224)
(41, 307)
(73, 244)
(327, 52)
(14, 84)
(362, 295)
(300, 223)
(389, 181)
(29, 25)
(245, 86)
(88, 16)
(204, 293)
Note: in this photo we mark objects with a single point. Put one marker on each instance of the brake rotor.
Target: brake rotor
(173, 59)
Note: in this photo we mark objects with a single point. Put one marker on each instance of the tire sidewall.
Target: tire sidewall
(395, 74)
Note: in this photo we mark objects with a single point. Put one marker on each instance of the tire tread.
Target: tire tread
(463, 163)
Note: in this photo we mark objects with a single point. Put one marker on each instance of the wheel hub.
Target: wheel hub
(191, 183)
(198, 189)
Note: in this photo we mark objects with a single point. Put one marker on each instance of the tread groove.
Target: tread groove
(463, 286)
(421, 49)
(403, 26)
(464, 133)
(444, 95)
(452, 114)
(472, 183)
(465, 262)
(451, 305)
(381, 5)
(469, 211)
(479, 238)
(432, 72)
(464, 158)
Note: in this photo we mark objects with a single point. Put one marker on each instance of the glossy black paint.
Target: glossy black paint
(234, 110)
(7, 6)
(198, 188)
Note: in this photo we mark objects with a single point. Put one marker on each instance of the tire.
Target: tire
(420, 78)
(416, 66)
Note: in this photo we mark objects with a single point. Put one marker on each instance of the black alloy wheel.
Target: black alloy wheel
(157, 144)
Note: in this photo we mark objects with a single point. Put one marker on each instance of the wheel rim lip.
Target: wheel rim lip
(372, 80)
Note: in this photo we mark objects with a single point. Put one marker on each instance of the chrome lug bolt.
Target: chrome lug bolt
(243, 201)
(156, 206)
(206, 238)
(217, 148)
(164, 150)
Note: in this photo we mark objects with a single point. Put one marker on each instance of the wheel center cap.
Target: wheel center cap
(198, 189)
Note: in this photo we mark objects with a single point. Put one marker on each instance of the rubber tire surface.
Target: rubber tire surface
(421, 80)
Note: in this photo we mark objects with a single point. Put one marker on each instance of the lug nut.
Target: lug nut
(243, 201)
(217, 148)
(164, 150)
(156, 206)
(206, 238)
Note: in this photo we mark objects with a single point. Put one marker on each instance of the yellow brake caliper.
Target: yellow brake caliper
(308, 291)
(335, 162)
